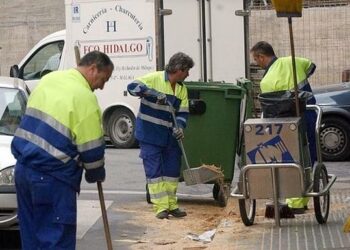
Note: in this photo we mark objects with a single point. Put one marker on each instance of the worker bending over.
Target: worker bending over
(156, 133)
(60, 135)
(279, 76)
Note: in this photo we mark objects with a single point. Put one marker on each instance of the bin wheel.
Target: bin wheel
(321, 203)
(247, 209)
(221, 193)
(216, 190)
(148, 196)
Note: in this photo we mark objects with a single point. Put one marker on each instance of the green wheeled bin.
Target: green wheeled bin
(213, 129)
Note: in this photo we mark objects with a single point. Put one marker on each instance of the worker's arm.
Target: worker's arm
(91, 146)
(307, 66)
(183, 111)
(138, 88)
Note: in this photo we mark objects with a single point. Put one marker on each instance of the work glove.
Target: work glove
(161, 99)
(178, 133)
(95, 175)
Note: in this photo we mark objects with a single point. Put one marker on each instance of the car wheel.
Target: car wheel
(334, 139)
(121, 128)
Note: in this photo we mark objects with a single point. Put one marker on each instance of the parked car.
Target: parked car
(335, 129)
(13, 100)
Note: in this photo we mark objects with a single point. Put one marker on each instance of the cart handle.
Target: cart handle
(325, 189)
(317, 129)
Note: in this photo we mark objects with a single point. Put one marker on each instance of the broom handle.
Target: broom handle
(104, 216)
(180, 140)
(183, 153)
(294, 66)
(77, 54)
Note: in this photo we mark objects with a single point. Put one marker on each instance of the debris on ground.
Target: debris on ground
(205, 237)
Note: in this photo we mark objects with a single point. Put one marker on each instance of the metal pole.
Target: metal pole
(294, 66)
(159, 25)
(104, 216)
(275, 196)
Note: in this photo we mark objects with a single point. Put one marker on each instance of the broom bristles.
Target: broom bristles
(284, 210)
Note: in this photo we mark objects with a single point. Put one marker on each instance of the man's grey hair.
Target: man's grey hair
(179, 61)
(101, 60)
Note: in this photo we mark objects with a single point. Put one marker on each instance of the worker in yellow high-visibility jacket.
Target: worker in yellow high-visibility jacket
(279, 76)
(156, 133)
(60, 135)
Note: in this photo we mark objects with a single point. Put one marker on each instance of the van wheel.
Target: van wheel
(121, 128)
(335, 139)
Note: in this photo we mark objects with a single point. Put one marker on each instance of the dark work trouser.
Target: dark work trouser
(47, 210)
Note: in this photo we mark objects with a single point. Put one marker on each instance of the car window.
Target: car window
(12, 107)
(45, 60)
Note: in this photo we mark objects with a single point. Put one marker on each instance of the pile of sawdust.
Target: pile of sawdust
(171, 234)
(201, 216)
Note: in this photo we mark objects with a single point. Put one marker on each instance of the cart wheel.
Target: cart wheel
(321, 203)
(223, 196)
(148, 197)
(247, 209)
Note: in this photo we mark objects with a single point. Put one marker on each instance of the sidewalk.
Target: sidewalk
(303, 232)
(134, 226)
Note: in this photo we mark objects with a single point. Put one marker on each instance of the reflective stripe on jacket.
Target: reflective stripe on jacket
(154, 122)
(61, 126)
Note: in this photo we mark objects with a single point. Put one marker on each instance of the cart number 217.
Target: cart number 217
(268, 129)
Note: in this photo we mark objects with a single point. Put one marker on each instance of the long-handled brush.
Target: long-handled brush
(198, 175)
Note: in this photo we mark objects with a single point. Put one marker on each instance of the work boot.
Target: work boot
(163, 215)
(178, 213)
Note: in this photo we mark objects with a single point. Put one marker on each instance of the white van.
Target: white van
(139, 39)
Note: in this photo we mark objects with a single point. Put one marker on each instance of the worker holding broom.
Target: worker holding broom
(160, 92)
(60, 135)
(278, 77)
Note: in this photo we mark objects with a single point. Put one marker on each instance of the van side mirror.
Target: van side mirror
(14, 71)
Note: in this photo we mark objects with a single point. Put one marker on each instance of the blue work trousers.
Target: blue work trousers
(161, 161)
(47, 210)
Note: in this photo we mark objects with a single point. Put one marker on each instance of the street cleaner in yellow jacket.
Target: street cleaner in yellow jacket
(279, 76)
(60, 135)
(156, 134)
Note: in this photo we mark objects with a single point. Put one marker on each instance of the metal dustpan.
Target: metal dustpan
(202, 174)
(198, 175)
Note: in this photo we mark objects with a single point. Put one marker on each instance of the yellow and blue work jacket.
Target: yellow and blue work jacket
(154, 121)
(61, 127)
(279, 75)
